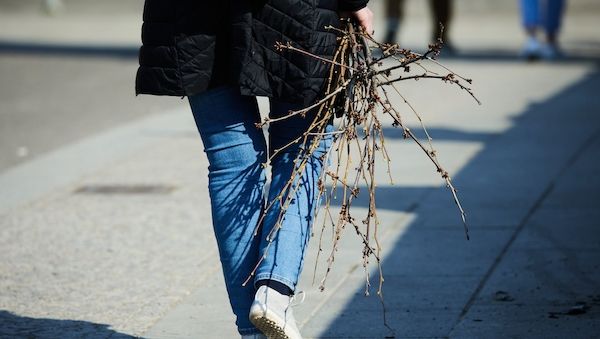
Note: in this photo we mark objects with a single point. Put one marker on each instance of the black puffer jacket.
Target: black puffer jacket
(192, 45)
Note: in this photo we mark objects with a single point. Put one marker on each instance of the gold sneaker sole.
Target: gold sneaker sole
(269, 328)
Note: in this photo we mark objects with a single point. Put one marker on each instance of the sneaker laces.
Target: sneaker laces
(294, 299)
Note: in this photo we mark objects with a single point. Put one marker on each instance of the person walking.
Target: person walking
(545, 15)
(441, 13)
(221, 55)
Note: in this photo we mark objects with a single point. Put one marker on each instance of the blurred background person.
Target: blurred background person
(441, 12)
(546, 16)
(53, 7)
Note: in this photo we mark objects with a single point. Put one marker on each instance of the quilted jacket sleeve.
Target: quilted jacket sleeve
(352, 5)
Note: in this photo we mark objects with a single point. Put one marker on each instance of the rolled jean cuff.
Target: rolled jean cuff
(270, 276)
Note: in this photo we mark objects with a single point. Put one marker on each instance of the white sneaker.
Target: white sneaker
(550, 52)
(532, 49)
(271, 313)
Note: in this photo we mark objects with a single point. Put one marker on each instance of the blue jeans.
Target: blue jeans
(545, 14)
(236, 150)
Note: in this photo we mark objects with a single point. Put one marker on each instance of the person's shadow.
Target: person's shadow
(16, 326)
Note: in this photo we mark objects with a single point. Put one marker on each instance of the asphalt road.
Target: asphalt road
(67, 76)
(48, 101)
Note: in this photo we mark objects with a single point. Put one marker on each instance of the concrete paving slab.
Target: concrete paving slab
(544, 277)
(448, 216)
(578, 196)
(410, 300)
(203, 314)
(550, 216)
(514, 321)
(405, 293)
(118, 259)
(561, 231)
(433, 323)
(444, 251)
(546, 284)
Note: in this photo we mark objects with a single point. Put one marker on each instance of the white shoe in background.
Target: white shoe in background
(532, 50)
(272, 314)
(550, 52)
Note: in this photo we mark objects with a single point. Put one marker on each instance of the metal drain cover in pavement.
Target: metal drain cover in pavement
(125, 189)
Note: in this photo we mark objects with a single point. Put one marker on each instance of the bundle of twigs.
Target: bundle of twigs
(357, 93)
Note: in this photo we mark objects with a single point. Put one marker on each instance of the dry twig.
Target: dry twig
(358, 92)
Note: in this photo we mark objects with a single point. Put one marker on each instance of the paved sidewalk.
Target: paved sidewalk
(526, 175)
(111, 236)
(85, 261)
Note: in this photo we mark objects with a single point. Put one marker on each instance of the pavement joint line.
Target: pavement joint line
(324, 301)
(210, 270)
(411, 208)
(569, 163)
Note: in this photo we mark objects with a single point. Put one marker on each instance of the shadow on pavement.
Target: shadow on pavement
(433, 275)
(572, 55)
(58, 49)
(440, 134)
(15, 326)
(506, 55)
(116, 51)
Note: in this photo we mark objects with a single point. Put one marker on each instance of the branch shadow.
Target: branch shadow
(440, 134)
(432, 273)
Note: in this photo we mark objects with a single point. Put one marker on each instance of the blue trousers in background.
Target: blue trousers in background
(236, 150)
(544, 14)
